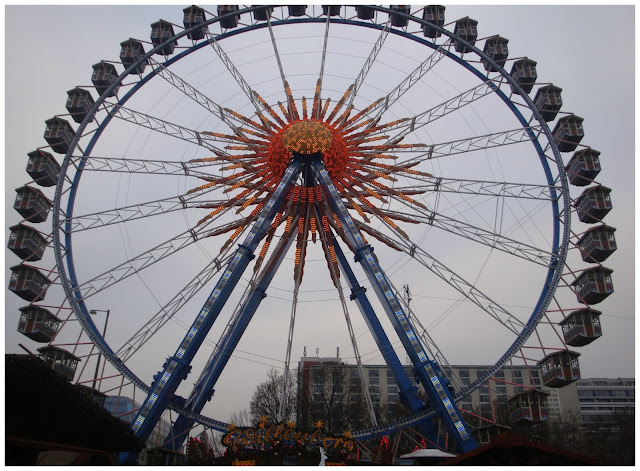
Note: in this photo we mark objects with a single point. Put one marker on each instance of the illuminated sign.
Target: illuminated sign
(262, 434)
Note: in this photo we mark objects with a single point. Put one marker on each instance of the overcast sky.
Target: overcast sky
(586, 50)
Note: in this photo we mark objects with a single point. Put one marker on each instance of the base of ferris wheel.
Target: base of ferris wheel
(310, 168)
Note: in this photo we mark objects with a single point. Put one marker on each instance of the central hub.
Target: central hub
(307, 137)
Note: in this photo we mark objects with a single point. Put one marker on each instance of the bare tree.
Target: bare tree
(267, 397)
(333, 398)
(241, 418)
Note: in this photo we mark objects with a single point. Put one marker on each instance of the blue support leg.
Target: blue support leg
(176, 368)
(408, 392)
(204, 388)
(426, 369)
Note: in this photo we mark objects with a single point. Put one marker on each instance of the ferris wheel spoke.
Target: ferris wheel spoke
(166, 313)
(301, 247)
(479, 188)
(235, 73)
(324, 237)
(476, 143)
(277, 53)
(137, 264)
(162, 126)
(420, 120)
(373, 55)
(324, 57)
(494, 240)
(196, 95)
(468, 231)
(468, 290)
(132, 212)
(410, 80)
(109, 217)
(153, 167)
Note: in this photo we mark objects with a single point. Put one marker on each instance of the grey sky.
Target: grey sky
(596, 75)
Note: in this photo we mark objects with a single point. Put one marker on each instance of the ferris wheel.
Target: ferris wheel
(266, 173)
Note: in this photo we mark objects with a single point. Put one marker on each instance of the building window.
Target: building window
(605, 393)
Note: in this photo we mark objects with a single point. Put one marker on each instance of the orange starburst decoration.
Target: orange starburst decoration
(353, 150)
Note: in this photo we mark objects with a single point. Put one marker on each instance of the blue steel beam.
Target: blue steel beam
(177, 367)
(204, 388)
(408, 392)
(427, 370)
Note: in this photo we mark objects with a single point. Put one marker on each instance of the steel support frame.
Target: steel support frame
(411, 79)
(177, 367)
(195, 95)
(408, 392)
(136, 264)
(167, 311)
(483, 188)
(426, 370)
(481, 236)
(204, 387)
(471, 144)
(368, 63)
(160, 125)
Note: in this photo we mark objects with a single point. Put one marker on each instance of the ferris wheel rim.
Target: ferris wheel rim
(79, 305)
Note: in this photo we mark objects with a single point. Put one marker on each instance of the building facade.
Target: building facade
(506, 383)
(489, 401)
(602, 398)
